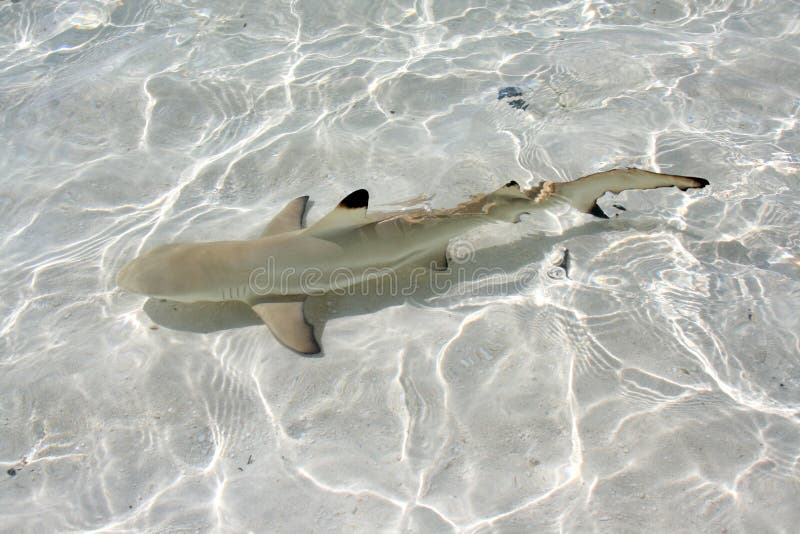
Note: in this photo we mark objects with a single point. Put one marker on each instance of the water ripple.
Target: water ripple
(652, 379)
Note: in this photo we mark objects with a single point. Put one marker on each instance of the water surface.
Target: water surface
(656, 383)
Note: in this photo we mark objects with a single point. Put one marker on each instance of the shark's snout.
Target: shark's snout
(157, 273)
(125, 278)
(141, 276)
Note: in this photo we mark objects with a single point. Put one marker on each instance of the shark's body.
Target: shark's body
(274, 273)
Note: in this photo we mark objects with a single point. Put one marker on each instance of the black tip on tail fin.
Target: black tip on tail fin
(597, 212)
(355, 200)
(699, 183)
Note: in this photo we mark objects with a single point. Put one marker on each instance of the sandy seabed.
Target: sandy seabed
(654, 386)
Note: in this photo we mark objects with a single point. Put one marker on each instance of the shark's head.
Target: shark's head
(154, 273)
(141, 276)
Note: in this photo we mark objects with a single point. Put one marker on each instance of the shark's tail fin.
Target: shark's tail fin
(583, 193)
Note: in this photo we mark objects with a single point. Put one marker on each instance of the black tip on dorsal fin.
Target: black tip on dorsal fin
(512, 183)
(355, 200)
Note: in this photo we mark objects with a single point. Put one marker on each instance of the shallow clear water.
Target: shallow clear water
(657, 384)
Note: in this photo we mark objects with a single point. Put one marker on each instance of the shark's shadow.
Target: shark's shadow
(207, 317)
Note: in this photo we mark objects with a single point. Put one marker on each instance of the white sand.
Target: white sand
(656, 388)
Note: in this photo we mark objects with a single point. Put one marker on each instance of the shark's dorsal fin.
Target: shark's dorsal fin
(290, 218)
(350, 212)
(288, 324)
(511, 189)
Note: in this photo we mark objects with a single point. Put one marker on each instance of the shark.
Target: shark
(289, 261)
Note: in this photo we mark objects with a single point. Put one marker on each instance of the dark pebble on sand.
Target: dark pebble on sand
(12, 472)
(518, 104)
(508, 91)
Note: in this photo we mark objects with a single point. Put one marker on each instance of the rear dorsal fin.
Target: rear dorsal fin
(511, 189)
(289, 219)
(350, 212)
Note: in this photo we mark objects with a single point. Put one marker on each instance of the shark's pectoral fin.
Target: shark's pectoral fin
(584, 192)
(288, 324)
(290, 218)
(350, 212)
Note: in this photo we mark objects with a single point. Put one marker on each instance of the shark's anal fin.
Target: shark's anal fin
(583, 193)
(288, 324)
(350, 212)
(289, 219)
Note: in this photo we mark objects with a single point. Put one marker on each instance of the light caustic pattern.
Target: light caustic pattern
(648, 376)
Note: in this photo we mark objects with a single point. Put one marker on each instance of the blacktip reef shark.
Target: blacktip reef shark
(348, 246)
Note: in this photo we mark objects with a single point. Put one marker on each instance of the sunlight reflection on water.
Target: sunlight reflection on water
(638, 371)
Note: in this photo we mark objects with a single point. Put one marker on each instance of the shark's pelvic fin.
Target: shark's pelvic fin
(290, 218)
(288, 324)
(439, 261)
(597, 211)
(350, 212)
(583, 193)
